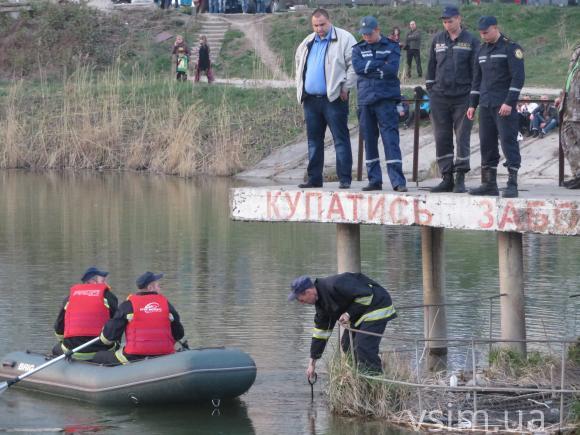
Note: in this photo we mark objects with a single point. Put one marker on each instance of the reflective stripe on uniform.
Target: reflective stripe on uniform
(381, 313)
(105, 340)
(383, 52)
(59, 337)
(394, 161)
(367, 66)
(499, 55)
(515, 89)
(107, 303)
(462, 48)
(121, 357)
(372, 160)
(322, 334)
(365, 300)
(475, 92)
(446, 156)
(81, 356)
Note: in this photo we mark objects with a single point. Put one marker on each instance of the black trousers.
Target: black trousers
(366, 347)
(492, 126)
(448, 115)
(414, 53)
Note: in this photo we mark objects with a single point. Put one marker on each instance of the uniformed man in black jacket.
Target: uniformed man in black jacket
(497, 81)
(449, 77)
(348, 298)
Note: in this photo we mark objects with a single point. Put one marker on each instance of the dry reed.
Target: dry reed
(116, 122)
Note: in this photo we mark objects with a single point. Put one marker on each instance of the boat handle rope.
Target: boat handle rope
(216, 403)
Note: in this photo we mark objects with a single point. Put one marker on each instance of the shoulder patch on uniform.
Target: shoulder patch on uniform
(519, 53)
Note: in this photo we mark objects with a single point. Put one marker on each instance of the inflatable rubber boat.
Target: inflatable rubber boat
(209, 374)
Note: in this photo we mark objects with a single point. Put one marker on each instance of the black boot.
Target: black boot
(488, 183)
(446, 185)
(511, 191)
(574, 183)
(459, 183)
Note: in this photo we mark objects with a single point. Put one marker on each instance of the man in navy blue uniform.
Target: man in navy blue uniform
(497, 81)
(449, 77)
(376, 62)
(347, 298)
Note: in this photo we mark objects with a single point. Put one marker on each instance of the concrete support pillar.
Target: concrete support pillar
(511, 282)
(433, 256)
(348, 247)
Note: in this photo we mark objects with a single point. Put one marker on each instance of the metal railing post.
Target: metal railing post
(416, 142)
(360, 154)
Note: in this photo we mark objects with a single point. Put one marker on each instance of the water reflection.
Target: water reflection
(229, 281)
(62, 415)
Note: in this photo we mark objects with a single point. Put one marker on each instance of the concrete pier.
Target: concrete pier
(511, 282)
(433, 260)
(541, 209)
(348, 247)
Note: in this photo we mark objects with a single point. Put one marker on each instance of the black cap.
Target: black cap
(147, 278)
(486, 21)
(449, 11)
(91, 272)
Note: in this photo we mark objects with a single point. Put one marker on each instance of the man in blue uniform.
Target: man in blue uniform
(376, 63)
(449, 77)
(347, 298)
(497, 82)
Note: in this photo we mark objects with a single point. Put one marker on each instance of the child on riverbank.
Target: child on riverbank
(203, 61)
(182, 64)
(180, 43)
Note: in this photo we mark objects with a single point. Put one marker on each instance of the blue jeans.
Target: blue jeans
(382, 116)
(245, 6)
(260, 6)
(320, 113)
(491, 125)
(213, 6)
(550, 125)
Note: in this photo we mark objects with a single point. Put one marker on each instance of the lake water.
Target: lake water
(229, 281)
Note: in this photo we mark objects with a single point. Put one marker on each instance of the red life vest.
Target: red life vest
(149, 331)
(86, 312)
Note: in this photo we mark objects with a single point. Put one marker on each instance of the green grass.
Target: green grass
(547, 34)
(237, 60)
(58, 38)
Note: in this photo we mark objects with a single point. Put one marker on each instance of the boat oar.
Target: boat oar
(5, 385)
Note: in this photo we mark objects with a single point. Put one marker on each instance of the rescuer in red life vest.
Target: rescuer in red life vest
(150, 323)
(84, 313)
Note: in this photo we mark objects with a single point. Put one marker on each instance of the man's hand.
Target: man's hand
(344, 95)
(311, 370)
(470, 113)
(344, 319)
(505, 110)
(542, 124)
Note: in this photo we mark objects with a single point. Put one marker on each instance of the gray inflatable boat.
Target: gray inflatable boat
(188, 376)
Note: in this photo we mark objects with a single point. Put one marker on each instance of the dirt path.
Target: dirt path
(255, 28)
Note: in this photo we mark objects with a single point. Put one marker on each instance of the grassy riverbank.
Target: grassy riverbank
(547, 34)
(142, 123)
(84, 89)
